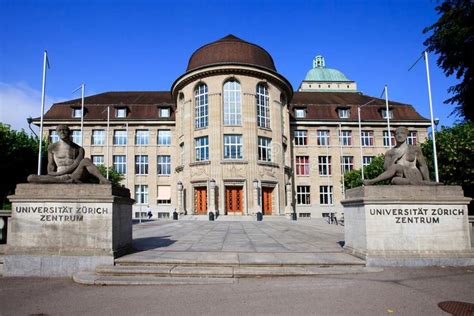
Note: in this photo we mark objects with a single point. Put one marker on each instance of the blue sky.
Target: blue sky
(145, 45)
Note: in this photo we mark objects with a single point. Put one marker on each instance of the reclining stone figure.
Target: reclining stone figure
(66, 162)
(404, 164)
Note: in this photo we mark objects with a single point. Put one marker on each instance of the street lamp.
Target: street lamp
(255, 184)
(212, 184)
(360, 137)
(180, 186)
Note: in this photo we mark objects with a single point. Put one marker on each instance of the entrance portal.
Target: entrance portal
(200, 200)
(234, 199)
(267, 201)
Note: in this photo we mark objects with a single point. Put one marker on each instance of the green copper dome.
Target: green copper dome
(321, 73)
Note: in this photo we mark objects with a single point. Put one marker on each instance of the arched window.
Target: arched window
(201, 106)
(263, 108)
(232, 103)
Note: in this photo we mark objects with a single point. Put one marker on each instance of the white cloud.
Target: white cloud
(19, 101)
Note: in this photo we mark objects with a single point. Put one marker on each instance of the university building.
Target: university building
(233, 137)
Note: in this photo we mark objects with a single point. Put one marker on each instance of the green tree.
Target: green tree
(453, 40)
(18, 159)
(455, 151)
(353, 179)
(114, 176)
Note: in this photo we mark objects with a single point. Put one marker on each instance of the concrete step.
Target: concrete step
(239, 259)
(160, 275)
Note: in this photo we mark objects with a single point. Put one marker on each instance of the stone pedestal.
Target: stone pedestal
(408, 225)
(59, 229)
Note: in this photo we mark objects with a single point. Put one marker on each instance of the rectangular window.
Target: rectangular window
(201, 115)
(141, 164)
(98, 137)
(367, 160)
(303, 195)
(141, 137)
(164, 165)
(384, 114)
(263, 107)
(300, 113)
(53, 136)
(325, 195)
(324, 165)
(412, 138)
(302, 165)
(141, 194)
(264, 149)
(120, 137)
(98, 160)
(232, 103)
(120, 164)
(301, 138)
(164, 137)
(386, 140)
(367, 138)
(121, 113)
(164, 195)
(202, 148)
(233, 147)
(323, 138)
(76, 137)
(164, 112)
(344, 113)
(345, 138)
(347, 163)
(77, 112)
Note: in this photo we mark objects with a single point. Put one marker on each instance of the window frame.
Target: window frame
(303, 195)
(98, 139)
(142, 137)
(201, 148)
(141, 167)
(326, 195)
(264, 149)
(323, 136)
(347, 164)
(324, 167)
(263, 106)
(119, 165)
(302, 165)
(300, 134)
(345, 137)
(120, 134)
(232, 112)
(163, 140)
(163, 165)
(201, 106)
(367, 138)
(228, 147)
(141, 194)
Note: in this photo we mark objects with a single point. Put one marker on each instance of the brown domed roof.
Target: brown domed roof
(231, 50)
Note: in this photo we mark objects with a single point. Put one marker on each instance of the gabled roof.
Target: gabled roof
(324, 105)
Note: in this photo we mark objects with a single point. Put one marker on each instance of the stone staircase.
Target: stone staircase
(219, 267)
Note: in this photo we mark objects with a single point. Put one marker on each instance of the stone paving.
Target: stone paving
(306, 236)
(272, 242)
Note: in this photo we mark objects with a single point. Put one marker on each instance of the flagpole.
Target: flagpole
(83, 87)
(433, 130)
(108, 131)
(388, 117)
(43, 91)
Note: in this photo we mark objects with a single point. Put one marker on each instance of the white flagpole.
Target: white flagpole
(388, 117)
(433, 130)
(108, 131)
(43, 92)
(83, 87)
(360, 144)
(340, 162)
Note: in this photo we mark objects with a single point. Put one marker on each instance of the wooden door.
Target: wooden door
(267, 201)
(234, 199)
(200, 200)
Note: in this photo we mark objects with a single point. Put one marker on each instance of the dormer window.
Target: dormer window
(344, 113)
(164, 112)
(121, 112)
(388, 114)
(76, 112)
(300, 113)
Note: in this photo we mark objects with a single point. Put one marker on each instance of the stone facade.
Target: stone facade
(227, 137)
